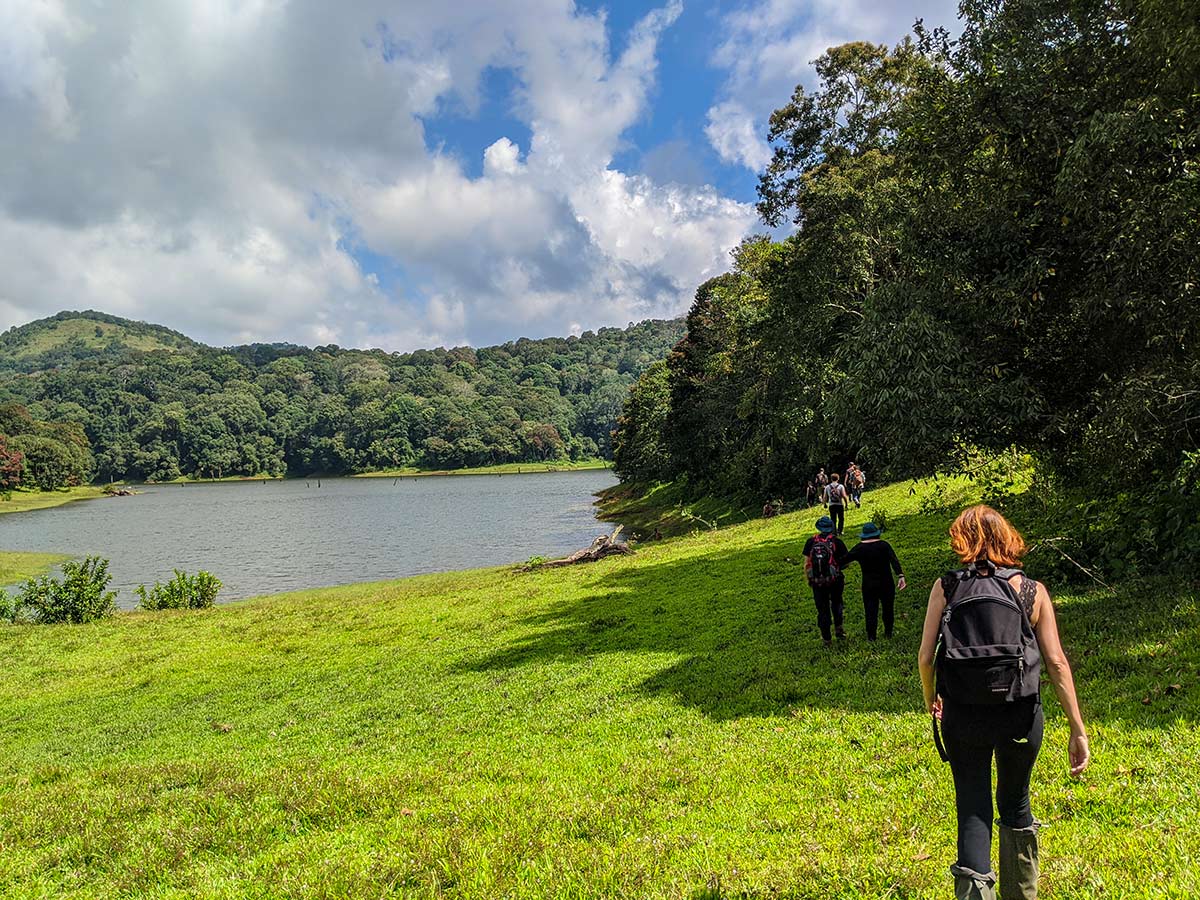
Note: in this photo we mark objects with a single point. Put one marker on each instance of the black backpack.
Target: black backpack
(987, 650)
(824, 569)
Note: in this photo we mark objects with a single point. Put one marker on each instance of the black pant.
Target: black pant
(829, 600)
(837, 512)
(875, 595)
(972, 734)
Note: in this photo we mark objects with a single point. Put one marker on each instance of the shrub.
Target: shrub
(879, 515)
(8, 607)
(184, 591)
(1080, 536)
(81, 596)
(999, 476)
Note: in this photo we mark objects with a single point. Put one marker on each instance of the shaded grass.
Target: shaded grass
(668, 508)
(663, 725)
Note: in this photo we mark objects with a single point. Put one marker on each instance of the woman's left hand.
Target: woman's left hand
(901, 584)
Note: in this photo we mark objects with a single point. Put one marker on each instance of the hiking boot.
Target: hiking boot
(971, 885)
(1019, 862)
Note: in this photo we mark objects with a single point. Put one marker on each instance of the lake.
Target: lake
(267, 537)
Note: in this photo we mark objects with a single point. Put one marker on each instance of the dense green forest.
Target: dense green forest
(41, 455)
(155, 405)
(997, 252)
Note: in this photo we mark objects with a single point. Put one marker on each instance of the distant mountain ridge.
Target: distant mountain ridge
(76, 335)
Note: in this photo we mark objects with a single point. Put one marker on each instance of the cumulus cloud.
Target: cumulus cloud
(769, 47)
(215, 166)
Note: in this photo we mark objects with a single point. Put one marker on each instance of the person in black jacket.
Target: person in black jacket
(878, 560)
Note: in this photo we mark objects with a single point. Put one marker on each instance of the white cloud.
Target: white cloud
(502, 158)
(734, 133)
(769, 47)
(207, 165)
(28, 69)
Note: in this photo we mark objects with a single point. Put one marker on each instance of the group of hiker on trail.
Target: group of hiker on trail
(836, 492)
(988, 628)
(825, 560)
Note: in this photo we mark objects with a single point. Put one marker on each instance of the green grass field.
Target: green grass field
(665, 725)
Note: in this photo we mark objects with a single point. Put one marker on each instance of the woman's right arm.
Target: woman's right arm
(929, 636)
(1059, 670)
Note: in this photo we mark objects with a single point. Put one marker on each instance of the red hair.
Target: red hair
(980, 532)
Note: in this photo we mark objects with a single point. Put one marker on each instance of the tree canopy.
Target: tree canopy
(997, 245)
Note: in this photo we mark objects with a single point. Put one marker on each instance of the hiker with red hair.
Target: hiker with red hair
(988, 629)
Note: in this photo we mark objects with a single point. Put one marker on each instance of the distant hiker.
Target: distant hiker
(768, 511)
(987, 630)
(855, 482)
(878, 561)
(810, 492)
(657, 534)
(824, 557)
(835, 499)
(822, 481)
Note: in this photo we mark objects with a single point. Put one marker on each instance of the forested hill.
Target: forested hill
(156, 405)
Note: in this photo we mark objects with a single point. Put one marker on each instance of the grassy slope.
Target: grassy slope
(663, 725)
(667, 508)
(46, 335)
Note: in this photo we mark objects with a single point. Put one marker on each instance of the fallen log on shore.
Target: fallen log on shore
(605, 545)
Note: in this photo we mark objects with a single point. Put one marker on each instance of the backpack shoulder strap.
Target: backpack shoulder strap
(1003, 575)
(950, 583)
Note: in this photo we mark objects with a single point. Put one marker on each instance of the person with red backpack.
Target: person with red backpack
(988, 628)
(824, 558)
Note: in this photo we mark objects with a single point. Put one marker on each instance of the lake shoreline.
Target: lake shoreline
(27, 501)
(590, 465)
(292, 534)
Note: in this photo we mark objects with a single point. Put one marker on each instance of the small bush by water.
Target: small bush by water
(184, 591)
(81, 595)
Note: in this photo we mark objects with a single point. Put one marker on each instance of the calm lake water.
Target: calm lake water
(276, 536)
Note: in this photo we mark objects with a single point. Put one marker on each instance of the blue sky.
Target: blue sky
(392, 174)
